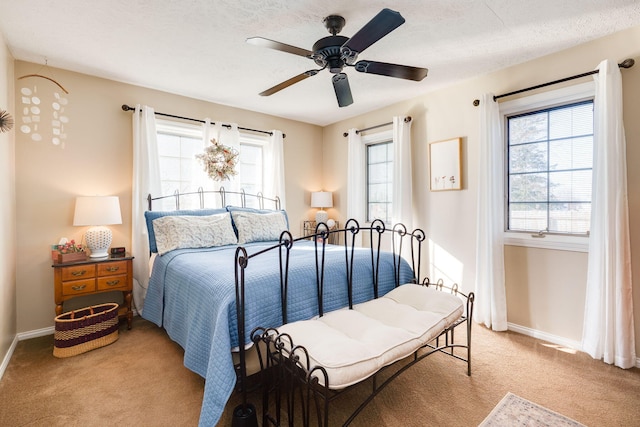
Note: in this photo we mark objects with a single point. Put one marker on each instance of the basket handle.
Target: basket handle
(73, 312)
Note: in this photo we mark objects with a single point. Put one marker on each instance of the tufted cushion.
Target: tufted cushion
(354, 344)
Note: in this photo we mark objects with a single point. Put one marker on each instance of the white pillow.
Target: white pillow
(188, 231)
(258, 227)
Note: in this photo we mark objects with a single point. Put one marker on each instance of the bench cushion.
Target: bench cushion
(354, 344)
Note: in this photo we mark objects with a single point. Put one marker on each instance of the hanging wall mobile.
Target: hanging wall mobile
(40, 106)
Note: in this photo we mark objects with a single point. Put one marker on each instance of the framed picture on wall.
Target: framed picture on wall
(444, 165)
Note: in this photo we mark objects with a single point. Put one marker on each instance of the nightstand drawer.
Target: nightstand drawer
(77, 272)
(77, 287)
(111, 268)
(112, 282)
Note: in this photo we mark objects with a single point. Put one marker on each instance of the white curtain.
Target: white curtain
(273, 170)
(199, 177)
(146, 180)
(491, 302)
(608, 332)
(228, 135)
(355, 177)
(402, 195)
(356, 180)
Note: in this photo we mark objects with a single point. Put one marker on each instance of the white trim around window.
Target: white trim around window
(548, 99)
(549, 241)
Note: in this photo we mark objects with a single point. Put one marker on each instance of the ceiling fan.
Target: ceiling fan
(335, 52)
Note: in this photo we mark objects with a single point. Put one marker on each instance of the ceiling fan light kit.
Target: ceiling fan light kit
(336, 52)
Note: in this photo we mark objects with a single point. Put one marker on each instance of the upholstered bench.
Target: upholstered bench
(352, 345)
(309, 363)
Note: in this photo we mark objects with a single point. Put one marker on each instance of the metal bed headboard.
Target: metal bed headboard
(223, 198)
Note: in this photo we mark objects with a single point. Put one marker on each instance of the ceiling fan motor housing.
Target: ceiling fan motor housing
(326, 52)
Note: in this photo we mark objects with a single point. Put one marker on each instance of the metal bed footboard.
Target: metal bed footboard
(286, 377)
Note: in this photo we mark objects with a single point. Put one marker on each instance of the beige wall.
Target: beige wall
(545, 288)
(7, 207)
(97, 160)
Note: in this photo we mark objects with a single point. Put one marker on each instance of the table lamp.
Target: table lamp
(321, 199)
(97, 211)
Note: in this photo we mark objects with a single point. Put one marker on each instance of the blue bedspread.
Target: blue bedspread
(192, 295)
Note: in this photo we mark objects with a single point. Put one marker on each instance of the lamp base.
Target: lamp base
(321, 216)
(98, 241)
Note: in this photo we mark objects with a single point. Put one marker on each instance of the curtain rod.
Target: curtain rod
(125, 107)
(627, 63)
(406, 120)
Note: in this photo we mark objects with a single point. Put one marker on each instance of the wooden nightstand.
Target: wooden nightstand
(93, 276)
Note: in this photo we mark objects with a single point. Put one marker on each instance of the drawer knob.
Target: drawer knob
(113, 282)
(78, 287)
(112, 269)
(78, 273)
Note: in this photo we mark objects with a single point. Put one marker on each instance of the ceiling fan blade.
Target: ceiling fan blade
(285, 84)
(391, 70)
(262, 42)
(382, 24)
(343, 91)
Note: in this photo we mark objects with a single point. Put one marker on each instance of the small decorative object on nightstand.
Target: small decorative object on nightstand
(309, 228)
(94, 276)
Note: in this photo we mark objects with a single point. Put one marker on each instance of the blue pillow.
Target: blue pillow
(151, 215)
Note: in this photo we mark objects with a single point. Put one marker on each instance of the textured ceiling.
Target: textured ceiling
(197, 48)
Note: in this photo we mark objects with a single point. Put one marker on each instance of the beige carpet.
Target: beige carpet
(513, 410)
(140, 380)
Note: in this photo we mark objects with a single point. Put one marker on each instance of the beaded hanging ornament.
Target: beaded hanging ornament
(219, 161)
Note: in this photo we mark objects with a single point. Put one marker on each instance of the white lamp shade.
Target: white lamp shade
(97, 211)
(321, 199)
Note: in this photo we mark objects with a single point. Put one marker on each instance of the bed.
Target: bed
(192, 295)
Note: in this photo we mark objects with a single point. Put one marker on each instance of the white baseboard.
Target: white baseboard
(553, 339)
(544, 336)
(20, 337)
(36, 333)
(7, 357)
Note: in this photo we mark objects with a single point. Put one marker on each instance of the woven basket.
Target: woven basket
(86, 329)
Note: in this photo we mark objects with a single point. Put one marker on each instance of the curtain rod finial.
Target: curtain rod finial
(627, 63)
(476, 102)
(125, 107)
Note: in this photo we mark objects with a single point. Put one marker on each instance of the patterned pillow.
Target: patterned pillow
(180, 232)
(150, 216)
(258, 227)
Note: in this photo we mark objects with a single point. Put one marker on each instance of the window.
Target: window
(178, 145)
(250, 169)
(549, 158)
(379, 158)
(550, 155)
(177, 148)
